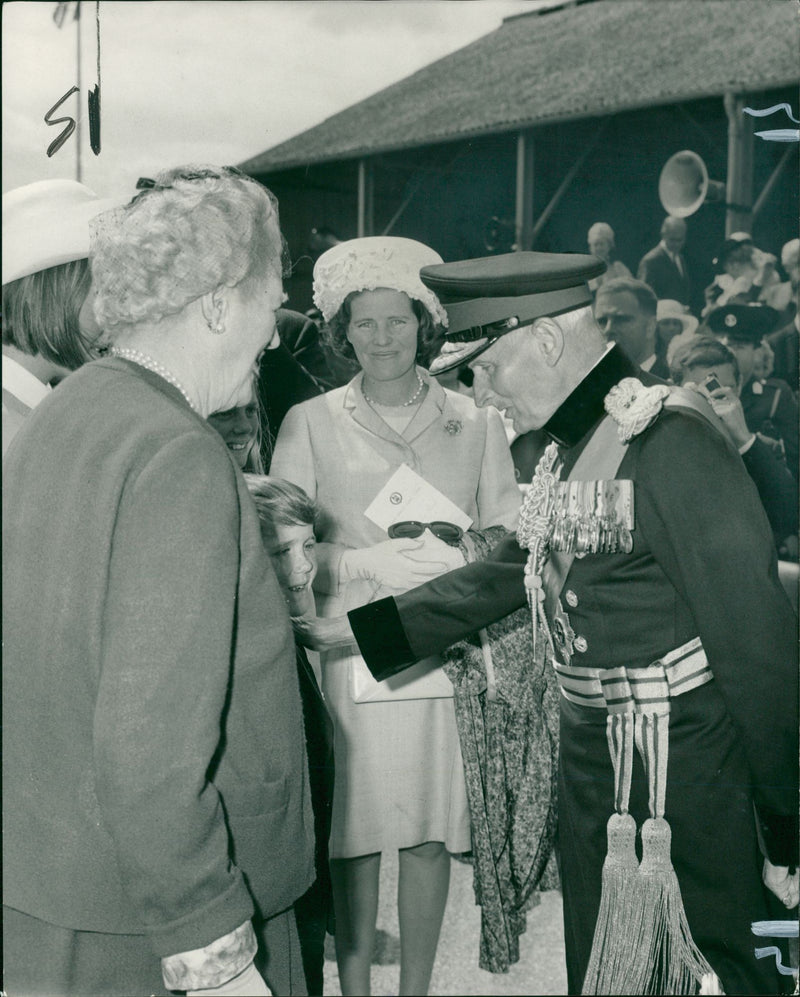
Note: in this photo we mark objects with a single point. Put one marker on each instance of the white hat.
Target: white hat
(668, 308)
(47, 223)
(372, 262)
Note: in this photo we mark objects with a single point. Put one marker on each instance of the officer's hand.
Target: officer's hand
(323, 633)
(782, 883)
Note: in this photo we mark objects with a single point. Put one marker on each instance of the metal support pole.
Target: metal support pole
(523, 218)
(788, 152)
(365, 199)
(565, 183)
(739, 189)
(79, 112)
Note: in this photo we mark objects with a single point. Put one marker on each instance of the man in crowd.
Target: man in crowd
(769, 405)
(664, 267)
(625, 309)
(785, 341)
(663, 570)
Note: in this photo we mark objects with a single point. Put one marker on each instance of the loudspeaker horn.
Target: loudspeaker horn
(683, 185)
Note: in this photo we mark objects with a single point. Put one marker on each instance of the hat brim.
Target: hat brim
(64, 239)
(459, 354)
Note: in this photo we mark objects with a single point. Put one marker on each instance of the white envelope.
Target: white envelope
(406, 495)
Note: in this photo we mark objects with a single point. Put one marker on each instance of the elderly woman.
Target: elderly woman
(399, 780)
(48, 327)
(158, 826)
(600, 239)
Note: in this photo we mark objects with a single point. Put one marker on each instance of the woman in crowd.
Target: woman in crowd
(48, 327)
(399, 778)
(601, 244)
(288, 522)
(240, 428)
(158, 825)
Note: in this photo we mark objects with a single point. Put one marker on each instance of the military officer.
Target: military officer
(647, 560)
(769, 405)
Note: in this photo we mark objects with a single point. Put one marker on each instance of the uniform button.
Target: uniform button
(572, 599)
(581, 644)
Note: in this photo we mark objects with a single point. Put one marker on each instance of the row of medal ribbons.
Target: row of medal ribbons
(593, 517)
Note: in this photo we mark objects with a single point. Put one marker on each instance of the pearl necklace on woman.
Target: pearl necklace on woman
(411, 400)
(146, 361)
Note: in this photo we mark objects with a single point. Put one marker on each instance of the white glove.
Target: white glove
(249, 983)
(390, 564)
(436, 551)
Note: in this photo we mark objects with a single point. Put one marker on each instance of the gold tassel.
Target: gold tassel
(667, 960)
(611, 947)
(610, 958)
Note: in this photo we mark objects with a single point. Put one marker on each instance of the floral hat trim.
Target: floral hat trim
(370, 263)
(634, 407)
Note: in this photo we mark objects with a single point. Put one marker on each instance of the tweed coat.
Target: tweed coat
(703, 564)
(155, 772)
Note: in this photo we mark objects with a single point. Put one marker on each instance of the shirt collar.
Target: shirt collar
(22, 384)
(573, 419)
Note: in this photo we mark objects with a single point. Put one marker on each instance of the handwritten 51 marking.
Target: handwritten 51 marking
(93, 95)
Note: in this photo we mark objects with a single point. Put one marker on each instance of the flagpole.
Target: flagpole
(78, 116)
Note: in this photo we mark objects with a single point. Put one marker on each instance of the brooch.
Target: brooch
(453, 427)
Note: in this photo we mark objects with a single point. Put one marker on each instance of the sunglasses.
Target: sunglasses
(411, 528)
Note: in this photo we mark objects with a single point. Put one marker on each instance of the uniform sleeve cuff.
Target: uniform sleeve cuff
(212, 965)
(381, 638)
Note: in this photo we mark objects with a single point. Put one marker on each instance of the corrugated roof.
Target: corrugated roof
(580, 61)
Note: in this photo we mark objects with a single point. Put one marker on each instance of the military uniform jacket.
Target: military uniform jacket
(703, 564)
(770, 409)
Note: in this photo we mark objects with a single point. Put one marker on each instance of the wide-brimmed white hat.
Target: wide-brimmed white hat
(47, 223)
(668, 308)
(372, 262)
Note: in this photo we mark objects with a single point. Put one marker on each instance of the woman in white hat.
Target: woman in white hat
(47, 326)
(672, 321)
(399, 779)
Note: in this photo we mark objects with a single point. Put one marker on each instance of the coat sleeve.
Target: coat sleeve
(166, 666)
(393, 633)
(706, 527)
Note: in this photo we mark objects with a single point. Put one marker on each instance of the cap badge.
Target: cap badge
(730, 321)
(453, 427)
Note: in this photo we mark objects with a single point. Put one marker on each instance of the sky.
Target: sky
(211, 81)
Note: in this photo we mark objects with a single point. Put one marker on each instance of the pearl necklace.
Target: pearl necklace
(411, 400)
(143, 360)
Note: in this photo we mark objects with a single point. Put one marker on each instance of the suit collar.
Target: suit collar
(363, 413)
